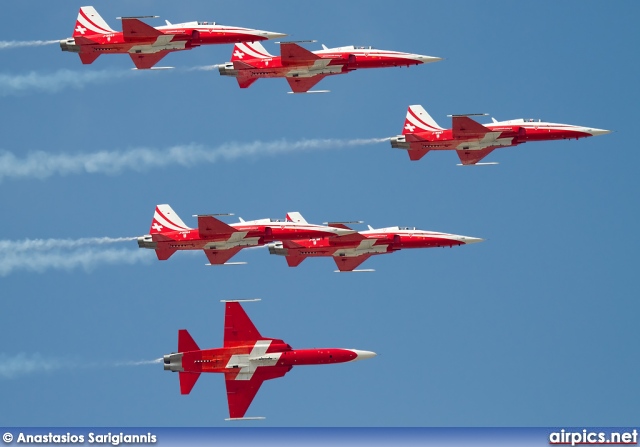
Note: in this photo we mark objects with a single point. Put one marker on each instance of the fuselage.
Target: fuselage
(182, 36)
(377, 241)
(243, 360)
(501, 134)
(330, 61)
(246, 234)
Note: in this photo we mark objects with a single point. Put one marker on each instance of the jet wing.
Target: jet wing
(302, 85)
(238, 327)
(134, 29)
(147, 60)
(293, 54)
(209, 226)
(465, 127)
(218, 257)
(468, 157)
(240, 393)
(347, 264)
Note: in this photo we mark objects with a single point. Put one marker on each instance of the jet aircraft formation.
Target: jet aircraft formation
(247, 358)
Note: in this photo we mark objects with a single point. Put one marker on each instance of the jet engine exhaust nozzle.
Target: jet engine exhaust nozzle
(399, 142)
(227, 69)
(146, 242)
(276, 248)
(173, 362)
(69, 44)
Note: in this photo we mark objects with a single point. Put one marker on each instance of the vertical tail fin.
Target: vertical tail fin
(165, 220)
(249, 50)
(294, 216)
(418, 120)
(90, 22)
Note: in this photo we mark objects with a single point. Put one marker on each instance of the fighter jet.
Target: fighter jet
(221, 241)
(474, 141)
(247, 359)
(147, 45)
(303, 69)
(350, 251)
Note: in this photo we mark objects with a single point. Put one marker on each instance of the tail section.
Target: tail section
(249, 50)
(165, 220)
(418, 120)
(187, 381)
(186, 343)
(294, 216)
(90, 22)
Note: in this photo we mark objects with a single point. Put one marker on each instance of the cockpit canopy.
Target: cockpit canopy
(206, 23)
(407, 228)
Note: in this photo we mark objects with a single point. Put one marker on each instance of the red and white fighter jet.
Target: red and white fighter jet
(246, 360)
(145, 44)
(350, 251)
(221, 241)
(303, 69)
(474, 141)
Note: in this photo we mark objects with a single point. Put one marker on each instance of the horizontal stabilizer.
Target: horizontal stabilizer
(164, 254)
(294, 261)
(417, 154)
(293, 54)
(186, 343)
(187, 381)
(245, 82)
(239, 65)
(134, 29)
(88, 58)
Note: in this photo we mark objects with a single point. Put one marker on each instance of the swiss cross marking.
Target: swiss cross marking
(156, 226)
(409, 127)
(239, 54)
(81, 30)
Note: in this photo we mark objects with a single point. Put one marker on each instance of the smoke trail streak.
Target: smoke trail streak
(42, 164)
(56, 81)
(49, 244)
(7, 45)
(21, 364)
(86, 258)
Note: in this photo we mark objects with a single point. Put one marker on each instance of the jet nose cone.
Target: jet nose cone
(270, 35)
(427, 59)
(471, 240)
(361, 355)
(596, 132)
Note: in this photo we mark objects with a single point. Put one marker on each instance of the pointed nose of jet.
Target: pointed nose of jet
(596, 132)
(426, 59)
(269, 35)
(361, 355)
(471, 240)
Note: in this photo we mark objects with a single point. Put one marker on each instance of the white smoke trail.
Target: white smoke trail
(50, 244)
(7, 45)
(56, 81)
(21, 364)
(87, 258)
(42, 164)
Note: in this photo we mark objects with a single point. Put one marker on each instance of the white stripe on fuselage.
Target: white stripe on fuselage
(248, 363)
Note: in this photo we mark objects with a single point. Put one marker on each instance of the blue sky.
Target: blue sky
(537, 326)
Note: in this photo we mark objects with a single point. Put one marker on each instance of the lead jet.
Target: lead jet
(303, 69)
(474, 141)
(221, 241)
(247, 359)
(350, 251)
(145, 44)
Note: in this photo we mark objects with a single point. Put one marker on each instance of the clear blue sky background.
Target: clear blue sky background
(536, 326)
